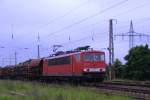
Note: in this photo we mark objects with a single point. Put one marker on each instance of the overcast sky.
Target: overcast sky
(84, 21)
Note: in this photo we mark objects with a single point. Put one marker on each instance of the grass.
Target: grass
(17, 90)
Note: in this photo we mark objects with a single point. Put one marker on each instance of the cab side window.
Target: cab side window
(77, 56)
(59, 61)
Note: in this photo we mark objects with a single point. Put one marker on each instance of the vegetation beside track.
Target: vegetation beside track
(17, 90)
(137, 66)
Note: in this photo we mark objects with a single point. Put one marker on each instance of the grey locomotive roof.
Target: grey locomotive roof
(64, 55)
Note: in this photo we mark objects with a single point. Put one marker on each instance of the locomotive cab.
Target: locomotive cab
(93, 65)
(93, 62)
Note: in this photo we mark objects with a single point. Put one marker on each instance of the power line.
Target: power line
(81, 28)
(140, 6)
(91, 24)
(66, 14)
(89, 17)
(141, 20)
(79, 40)
(131, 34)
(132, 9)
(75, 41)
(96, 23)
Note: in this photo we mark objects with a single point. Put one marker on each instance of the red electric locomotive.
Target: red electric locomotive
(79, 65)
(83, 65)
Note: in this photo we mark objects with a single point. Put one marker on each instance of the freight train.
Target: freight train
(80, 65)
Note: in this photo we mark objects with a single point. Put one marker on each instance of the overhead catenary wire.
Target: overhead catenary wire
(65, 14)
(96, 23)
(133, 9)
(76, 41)
(131, 34)
(137, 7)
(91, 37)
(86, 2)
(61, 16)
(137, 21)
(89, 17)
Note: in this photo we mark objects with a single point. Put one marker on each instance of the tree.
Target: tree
(138, 63)
(118, 68)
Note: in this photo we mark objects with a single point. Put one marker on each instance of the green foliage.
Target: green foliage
(138, 63)
(118, 68)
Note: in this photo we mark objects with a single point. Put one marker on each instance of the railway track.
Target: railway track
(130, 84)
(137, 91)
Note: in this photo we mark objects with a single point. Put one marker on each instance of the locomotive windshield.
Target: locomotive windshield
(93, 57)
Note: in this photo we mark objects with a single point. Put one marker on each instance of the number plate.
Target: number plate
(94, 70)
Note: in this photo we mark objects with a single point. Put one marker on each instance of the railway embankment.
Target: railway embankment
(20, 90)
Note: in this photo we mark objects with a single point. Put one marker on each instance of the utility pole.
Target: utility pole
(3, 61)
(111, 48)
(38, 51)
(132, 34)
(12, 35)
(10, 60)
(38, 47)
(15, 58)
(110, 43)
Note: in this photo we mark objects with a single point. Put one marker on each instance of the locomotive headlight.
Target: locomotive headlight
(103, 69)
(85, 69)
